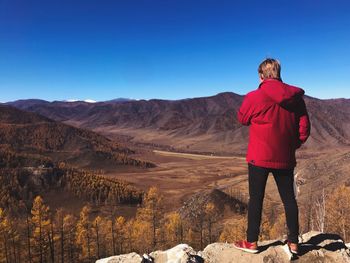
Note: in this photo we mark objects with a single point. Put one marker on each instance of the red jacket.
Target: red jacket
(279, 124)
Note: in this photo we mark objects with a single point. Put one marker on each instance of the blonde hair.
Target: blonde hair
(270, 69)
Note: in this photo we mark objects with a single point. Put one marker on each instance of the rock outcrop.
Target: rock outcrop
(314, 247)
(130, 258)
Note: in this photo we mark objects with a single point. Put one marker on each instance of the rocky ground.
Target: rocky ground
(314, 247)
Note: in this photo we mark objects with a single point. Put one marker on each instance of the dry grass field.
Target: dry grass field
(181, 175)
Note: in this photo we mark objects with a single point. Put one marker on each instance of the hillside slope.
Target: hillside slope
(26, 132)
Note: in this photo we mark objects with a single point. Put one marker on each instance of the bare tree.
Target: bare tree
(320, 212)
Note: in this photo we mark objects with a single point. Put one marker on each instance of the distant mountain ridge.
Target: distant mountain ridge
(30, 133)
(198, 124)
(24, 103)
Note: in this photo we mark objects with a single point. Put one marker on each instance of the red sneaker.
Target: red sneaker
(246, 246)
(293, 247)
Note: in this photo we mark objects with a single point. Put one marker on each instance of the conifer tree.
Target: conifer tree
(10, 245)
(190, 237)
(234, 231)
(141, 236)
(69, 228)
(337, 212)
(120, 233)
(173, 229)
(84, 235)
(211, 216)
(41, 223)
(4, 233)
(61, 234)
(99, 229)
(27, 231)
(14, 240)
(51, 236)
(129, 235)
(152, 212)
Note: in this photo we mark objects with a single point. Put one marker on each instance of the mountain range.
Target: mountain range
(205, 124)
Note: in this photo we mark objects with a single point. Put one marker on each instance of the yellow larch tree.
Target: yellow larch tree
(152, 212)
(99, 228)
(234, 231)
(211, 215)
(120, 233)
(41, 228)
(338, 212)
(4, 232)
(142, 236)
(173, 229)
(84, 235)
(69, 228)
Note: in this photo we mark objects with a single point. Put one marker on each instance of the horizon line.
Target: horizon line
(92, 101)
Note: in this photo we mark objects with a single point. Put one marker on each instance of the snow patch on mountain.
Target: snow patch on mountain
(87, 100)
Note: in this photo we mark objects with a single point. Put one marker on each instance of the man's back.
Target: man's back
(278, 122)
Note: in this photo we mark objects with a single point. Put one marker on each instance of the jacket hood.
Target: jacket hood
(283, 94)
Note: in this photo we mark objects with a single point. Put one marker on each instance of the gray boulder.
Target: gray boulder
(181, 253)
(314, 247)
(125, 258)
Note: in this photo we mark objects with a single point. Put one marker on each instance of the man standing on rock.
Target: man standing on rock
(279, 124)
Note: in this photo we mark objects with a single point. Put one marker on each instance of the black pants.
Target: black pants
(257, 181)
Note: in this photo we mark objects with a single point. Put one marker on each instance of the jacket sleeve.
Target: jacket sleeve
(304, 123)
(245, 112)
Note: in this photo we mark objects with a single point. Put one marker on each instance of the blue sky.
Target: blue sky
(169, 49)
